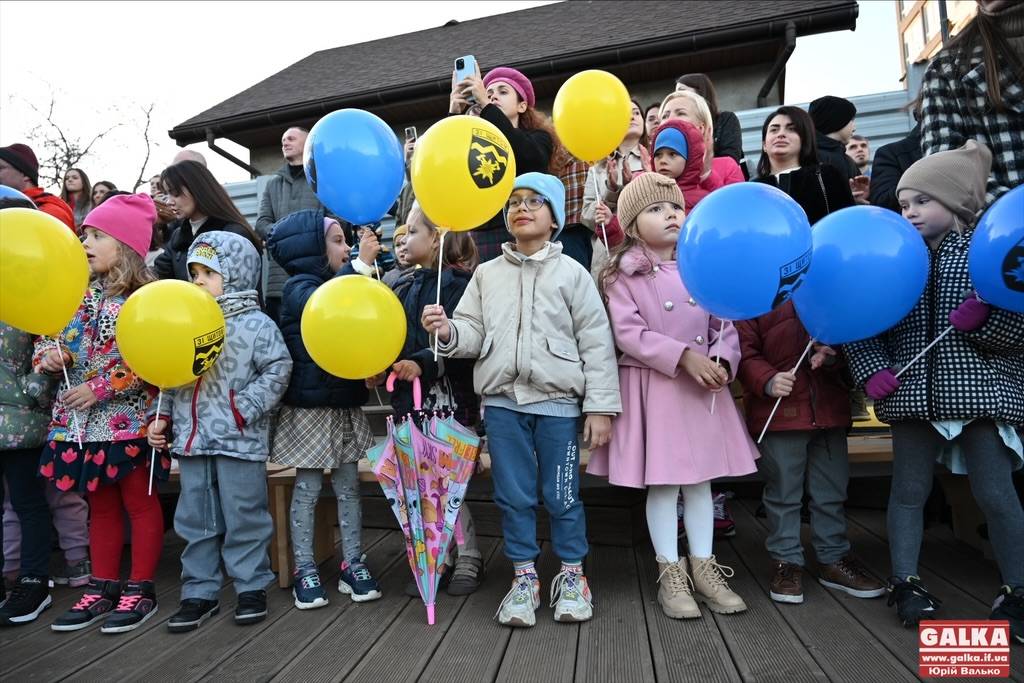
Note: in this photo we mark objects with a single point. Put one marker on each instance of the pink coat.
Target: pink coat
(724, 171)
(666, 433)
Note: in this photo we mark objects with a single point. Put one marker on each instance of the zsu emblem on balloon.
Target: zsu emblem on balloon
(208, 347)
(790, 276)
(488, 159)
(1013, 268)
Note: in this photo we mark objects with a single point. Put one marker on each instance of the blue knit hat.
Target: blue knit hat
(551, 189)
(674, 140)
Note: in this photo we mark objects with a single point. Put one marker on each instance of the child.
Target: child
(70, 514)
(221, 439)
(962, 401)
(806, 441)
(534, 319)
(402, 268)
(445, 384)
(667, 437)
(322, 425)
(106, 408)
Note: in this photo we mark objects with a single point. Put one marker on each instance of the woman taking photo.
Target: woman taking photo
(76, 193)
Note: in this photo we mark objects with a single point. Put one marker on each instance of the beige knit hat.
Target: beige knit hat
(956, 178)
(642, 191)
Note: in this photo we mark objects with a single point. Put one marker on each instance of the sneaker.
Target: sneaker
(29, 597)
(850, 576)
(570, 596)
(191, 615)
(711, 588)
(251, 607)
(95, 604)
(913, 602)
(136, 606)
(724, 526)
(675, 590)
(357, 582)
(787, 583)
(307, 590)
(75, 575)
(467, 575)
(519, 606)
(1009, 605)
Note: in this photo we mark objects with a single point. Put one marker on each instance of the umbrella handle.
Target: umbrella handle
(417, 390)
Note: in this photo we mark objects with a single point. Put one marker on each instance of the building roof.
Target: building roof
(559, 38)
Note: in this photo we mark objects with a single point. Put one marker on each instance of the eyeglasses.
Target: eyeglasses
(532, 202)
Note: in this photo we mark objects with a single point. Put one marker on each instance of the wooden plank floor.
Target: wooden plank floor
(831, 637)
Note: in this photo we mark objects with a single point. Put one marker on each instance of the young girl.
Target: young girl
(105, 408)
(959, 404)
(321, 425)
(534, 320)
(76, 192)
(667, 437)
(402, 268)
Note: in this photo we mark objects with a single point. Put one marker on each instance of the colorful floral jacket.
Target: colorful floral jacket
(25, 397)
(95, 360)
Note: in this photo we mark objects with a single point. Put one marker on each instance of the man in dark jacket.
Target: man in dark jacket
(20, 169)
(890, 162)
(834, 122)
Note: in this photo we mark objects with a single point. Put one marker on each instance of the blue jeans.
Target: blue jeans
(525, 448)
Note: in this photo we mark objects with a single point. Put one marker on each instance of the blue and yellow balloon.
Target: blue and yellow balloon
(996, 256)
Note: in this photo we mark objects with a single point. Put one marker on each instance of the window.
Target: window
(905, 7)
(913, 39)
(932, 21)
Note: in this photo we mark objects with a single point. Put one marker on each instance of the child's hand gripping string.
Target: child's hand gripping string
(80, 398)
(704, 371)
(156, 434)
(51, 361)
(435, 322)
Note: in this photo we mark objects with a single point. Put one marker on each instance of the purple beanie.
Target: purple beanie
(520, 83)
(328, 222)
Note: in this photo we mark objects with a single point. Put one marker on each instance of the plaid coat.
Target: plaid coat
(955, 109)
(967, 374)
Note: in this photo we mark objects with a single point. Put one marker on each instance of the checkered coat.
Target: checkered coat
(955, 109)
(967, 374)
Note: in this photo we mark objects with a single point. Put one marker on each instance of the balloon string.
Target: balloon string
(604, 233)
(440, 267)
(74, 413)
(925, 350)
(718, 355)
(779, 399)
(152, 456)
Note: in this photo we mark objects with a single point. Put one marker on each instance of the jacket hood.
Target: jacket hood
(298, 244)
(638, 260)
(231, 255)
(548, 252)
(689, 180)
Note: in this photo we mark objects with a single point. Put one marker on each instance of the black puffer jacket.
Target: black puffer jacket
(833, 153)
(297, 244)
(820, 190)
(888, 166)
(966, 375)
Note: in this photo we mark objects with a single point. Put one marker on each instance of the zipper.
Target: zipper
(195, 416)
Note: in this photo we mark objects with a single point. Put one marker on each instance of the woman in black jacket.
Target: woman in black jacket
(201, 205)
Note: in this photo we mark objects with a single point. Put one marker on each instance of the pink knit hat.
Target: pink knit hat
(520, 83)
(128, 218)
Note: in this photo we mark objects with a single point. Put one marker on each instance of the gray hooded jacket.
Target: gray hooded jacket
(227, 410)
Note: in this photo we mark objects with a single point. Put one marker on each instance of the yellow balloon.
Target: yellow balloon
(462, 172)
(591, 114)
(43, 271)
(170, 332)
(353, 327)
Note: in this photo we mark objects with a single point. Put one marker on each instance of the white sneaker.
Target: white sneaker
(519, 606)
(570, 596)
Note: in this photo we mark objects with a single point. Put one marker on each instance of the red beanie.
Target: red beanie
(128, 218)
(22, 158)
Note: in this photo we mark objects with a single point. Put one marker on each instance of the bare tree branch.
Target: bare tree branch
(148, 113)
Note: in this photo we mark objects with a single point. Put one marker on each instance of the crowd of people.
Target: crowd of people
(564, 308)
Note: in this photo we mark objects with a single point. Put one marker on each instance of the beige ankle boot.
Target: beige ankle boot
(675, 590)
(711, 588)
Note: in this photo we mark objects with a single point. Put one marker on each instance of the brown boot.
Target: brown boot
(787, 583)
(711, 588)
(675, 590)
(850, 576)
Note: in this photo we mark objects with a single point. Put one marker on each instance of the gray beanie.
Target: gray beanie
(956, 178)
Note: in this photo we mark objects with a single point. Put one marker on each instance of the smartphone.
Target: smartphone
(410, 134)
(464, 67)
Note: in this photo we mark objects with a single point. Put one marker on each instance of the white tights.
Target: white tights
(698, 519)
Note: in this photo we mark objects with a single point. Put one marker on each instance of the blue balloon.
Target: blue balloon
(10, 193)
(868, 270)
(354, 165)
(743, 250)
(996, 257)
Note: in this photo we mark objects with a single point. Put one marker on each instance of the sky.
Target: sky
(184, 57)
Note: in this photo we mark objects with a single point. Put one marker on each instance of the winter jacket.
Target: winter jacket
(120, 414)
(819, 190)
(539, 331)
(53, 205)
(284, 194)
(80, 211)
(724, 171)
(888, 166)
(966, 375)
(833, 153)
(298, 245)
(227, 411)
(729, 136)
(773, 343)
(689, 180)
(449, 376)
(172, 264)
(25, 397)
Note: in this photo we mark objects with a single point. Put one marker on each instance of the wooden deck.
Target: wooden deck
(831, 637)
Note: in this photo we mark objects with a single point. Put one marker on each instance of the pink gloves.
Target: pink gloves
(881, 384)
(970, 315)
